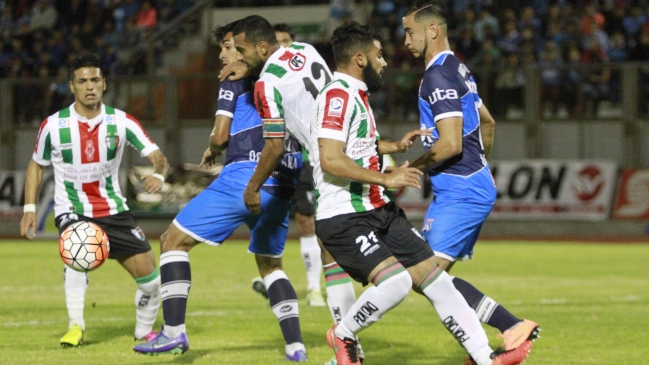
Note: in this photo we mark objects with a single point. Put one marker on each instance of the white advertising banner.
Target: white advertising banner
(539, 189)
(554, 189)
(12, 185)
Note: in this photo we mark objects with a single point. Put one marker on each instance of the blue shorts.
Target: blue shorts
(217, 211)
(452, 228)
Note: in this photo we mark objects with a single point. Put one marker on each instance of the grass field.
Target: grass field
(592, 301)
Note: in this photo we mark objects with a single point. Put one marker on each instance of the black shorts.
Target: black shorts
(361, 241)
(124, 235)
(303, 200)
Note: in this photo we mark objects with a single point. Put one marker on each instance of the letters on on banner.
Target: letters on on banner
(633, 195)
(554, 189)
(541, 189)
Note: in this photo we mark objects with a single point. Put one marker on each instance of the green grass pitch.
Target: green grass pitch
(592, 301)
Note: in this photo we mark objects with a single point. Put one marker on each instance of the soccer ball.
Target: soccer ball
(84, 246)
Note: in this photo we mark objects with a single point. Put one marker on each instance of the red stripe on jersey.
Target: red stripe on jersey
(100, 207)
(364, 96)
(375, 191)
(260, 100)
(89, 143)
(335, 108)
(38, 138)
(139, 125)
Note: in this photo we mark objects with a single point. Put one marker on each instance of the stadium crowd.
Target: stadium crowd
(496, 39)
(38, 38)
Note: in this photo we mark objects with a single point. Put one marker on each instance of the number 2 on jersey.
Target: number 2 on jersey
(317, 70)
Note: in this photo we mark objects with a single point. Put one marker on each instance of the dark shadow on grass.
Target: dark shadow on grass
(187, 358)
(105, 333)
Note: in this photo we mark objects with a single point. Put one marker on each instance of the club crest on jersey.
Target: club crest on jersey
(64, 123)
(90, 150)
(112, 141)
(137, 232)
(297, 62)
(336, 107)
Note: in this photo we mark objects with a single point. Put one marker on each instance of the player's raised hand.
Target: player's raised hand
(152, 184)
(409, 138)
(209, 159)
(403, 176)
(236, 71)
(252, 200)
(28, 225)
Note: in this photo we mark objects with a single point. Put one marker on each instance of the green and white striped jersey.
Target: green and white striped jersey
(343, 113)
(86, 158)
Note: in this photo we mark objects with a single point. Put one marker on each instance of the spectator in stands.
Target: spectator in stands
(617, 49)
(58, 95)
(147, 16)
(596, 84)
(509, 86)
(168, 11)
(550, 62)
(529, 19)
(510, 39)
(130, 37)
(640, 53)
(571, 81)
(634, 21)
(43, 16)
(486, 26)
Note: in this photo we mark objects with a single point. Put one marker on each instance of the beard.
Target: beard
(371, 78)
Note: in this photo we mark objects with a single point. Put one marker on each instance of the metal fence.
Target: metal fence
(542, 112)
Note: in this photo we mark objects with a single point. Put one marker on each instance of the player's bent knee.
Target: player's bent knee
(176, 240)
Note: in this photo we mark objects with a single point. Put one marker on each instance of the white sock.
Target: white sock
(311, 254)
(147, 302)
(75, 284)
(294, 347)
(376, 301)
(340, 291)
(174, 331)
(460, 319)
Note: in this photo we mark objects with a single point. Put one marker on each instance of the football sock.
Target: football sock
(391, 286)
(340, 291)
(283, 301)
(311, 256)
(75, 284)
(487, 309)
(176, 280)
(458, 318)
(147, 302)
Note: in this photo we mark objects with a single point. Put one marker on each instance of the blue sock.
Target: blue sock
(283, 300)
(487, 309)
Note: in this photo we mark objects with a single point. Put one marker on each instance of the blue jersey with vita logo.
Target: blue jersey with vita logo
(449, 90)
(246, 142)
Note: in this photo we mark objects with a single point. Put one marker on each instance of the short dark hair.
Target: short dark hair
(85, 60)
(283, 27)
(256, 28)
(221, 31)
(351, 38)
(428, 8)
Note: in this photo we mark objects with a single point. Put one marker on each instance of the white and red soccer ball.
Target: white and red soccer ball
(84, 246)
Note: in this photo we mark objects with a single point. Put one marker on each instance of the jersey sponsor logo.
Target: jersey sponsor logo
(110, 119)
(440, 94)
(463, 70)
(365, 312)
(66, 146)
(90, 150)
(64, 123)
(362, 148)
(471, 85)
(335, 107)
(454, 328)
(68, 217)
(226, 94)
(137, 232)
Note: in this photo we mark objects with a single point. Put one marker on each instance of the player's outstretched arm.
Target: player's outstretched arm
(154, 182)
(448, 145)
(487, 129)
(235, 71)
(270, 156)
(402, 145)
(33, 179)
(335, 162)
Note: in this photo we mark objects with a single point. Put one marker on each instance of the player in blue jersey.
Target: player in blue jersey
(462, 135)
(215, 213)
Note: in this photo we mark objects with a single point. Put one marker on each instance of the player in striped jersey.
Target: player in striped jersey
(367, 234)
(217, 211)
(289, 80)
(84, 143)
(462, 135)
